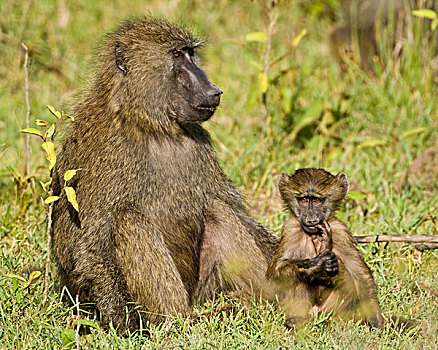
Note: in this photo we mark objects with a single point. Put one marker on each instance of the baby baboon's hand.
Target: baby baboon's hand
(326, 233)
(330, 264)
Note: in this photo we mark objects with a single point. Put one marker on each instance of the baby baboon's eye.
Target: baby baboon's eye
(176, 53)
(303, 200)
(318, 201)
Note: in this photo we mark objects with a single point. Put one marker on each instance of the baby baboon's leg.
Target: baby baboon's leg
(230, 259)
(152, 279)
(297, 304)
(342, 299)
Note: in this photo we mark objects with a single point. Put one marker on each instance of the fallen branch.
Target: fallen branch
(398, 238)
(425, 246)
(430, 290)
(426, 241)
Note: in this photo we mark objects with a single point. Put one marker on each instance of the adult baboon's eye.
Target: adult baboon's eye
(303, 199)
(176, 53)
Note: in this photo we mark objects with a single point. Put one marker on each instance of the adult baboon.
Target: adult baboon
(159, 225)
(357, 37)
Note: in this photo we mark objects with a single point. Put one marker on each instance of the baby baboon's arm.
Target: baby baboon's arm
(294, 257)
(346, 250)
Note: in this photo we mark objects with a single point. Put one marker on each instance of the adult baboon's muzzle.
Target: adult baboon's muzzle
(201, 93)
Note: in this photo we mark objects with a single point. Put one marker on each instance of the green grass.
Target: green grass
(346, 111)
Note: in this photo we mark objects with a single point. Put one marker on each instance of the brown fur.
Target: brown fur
(423, 171)
(348, 289)
(356, 37)
(159, 225)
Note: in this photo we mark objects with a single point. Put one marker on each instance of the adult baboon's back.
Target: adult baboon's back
(159, 223)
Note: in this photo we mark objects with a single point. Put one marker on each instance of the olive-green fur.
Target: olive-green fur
(148, 189)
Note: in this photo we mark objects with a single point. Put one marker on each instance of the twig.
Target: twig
(272, 17)
(398, 238)
(49, 243)
(430, 290)
(171, 346)
(77, 338)
(425, 246)
(28, 107)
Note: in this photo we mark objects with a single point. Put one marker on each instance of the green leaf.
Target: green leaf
(371, 143)
(42, 123)
(356, 195)
(45, 185)
(15, 277)
(49, 133)
(311, 115)
(256, 64)
(256, 37)
(425, 13)
(434, 24)
(286, 104)
(413, 131)
(89, 323)
(71, 117)
(56, 113)
(296, 41)
(68, 336)
(51, 199)
(263, 82)
(70, 173)
(32, 131)
(24, 203)
(253, 94)
(49, 147)
(33, 276)
(71, 196)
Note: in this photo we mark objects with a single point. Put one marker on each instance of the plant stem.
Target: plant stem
(49, 243)
(272, 18)
(27, 106)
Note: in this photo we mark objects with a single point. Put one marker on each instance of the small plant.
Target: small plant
(269, 73)
(428, 14)
(48, 145)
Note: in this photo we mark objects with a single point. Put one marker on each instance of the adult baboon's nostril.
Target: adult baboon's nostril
(214, 95)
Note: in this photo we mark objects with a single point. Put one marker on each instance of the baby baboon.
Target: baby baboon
(160, 226)
(317, 263)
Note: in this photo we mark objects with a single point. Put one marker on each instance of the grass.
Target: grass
(346, 116)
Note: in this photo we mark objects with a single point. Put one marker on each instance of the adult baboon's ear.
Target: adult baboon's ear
(119, 53)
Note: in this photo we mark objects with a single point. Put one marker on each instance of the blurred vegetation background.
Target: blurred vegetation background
(285, 105)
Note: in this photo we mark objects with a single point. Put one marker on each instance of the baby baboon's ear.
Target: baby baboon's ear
(284, 187)
(343, 182)
(119, 53)
(284, 181)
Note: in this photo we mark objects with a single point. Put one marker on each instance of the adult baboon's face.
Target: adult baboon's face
(198, 97)
(159, 73)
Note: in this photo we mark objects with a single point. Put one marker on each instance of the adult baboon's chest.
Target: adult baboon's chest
(180, 178)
